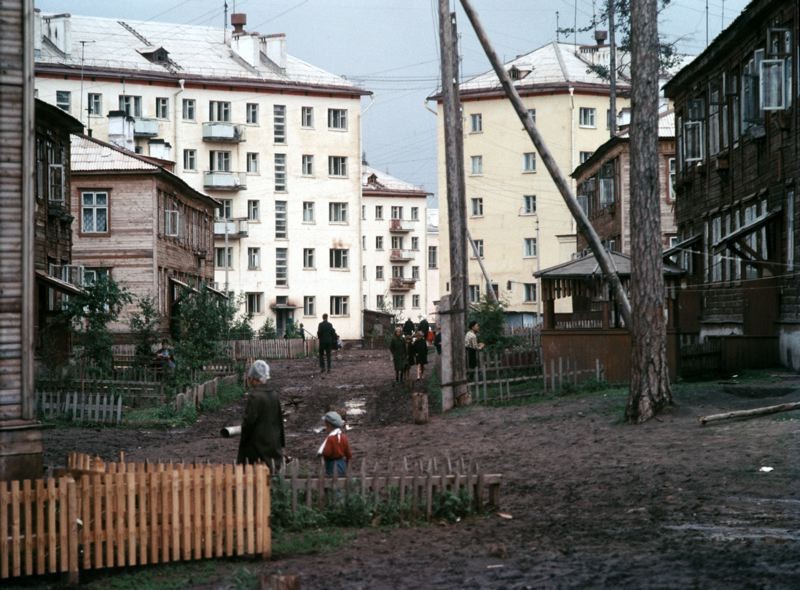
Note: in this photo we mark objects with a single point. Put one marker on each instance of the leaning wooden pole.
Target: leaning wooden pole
(603, 259)
(454, 386)
(750, 413)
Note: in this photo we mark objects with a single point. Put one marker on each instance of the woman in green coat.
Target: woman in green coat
(397, 347)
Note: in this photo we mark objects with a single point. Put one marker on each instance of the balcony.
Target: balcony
(223, 132)
(237, 229)
(402, 284)
(224, 181)
(145, 127)
(398, 226)
(401, 255)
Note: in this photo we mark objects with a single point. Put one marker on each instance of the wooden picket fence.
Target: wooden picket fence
(194, 395)
(133, 393)
(102, 515)
(81, 407)
(278, 348)
(413, 482)
(565, 372)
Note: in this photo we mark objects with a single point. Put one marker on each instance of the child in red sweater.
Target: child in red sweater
(335, 449)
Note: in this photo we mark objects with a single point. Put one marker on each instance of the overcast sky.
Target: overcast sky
(391, 47)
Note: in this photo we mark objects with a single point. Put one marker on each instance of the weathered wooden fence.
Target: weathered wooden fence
(413, 483)
(127, 514)
(194, 396)
(701, 358)
(530, 335)
(133, 393)
(81, 407)
(278, 348)
(566, 372)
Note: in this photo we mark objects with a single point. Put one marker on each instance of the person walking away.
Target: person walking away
(420, 347)
(335, 449)
(262, 437)
(472, 346)
(397, 346)
(327, 341)
(408, 328)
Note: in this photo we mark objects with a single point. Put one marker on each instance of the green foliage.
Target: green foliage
(145, 325)
(173, 576)
(268, 331)
(308, 542)
(89, 315)
(452, 507)
(491, 319)
(292, 330)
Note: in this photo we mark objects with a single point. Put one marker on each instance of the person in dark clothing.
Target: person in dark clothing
(420, 347)
(424, 327)
(262, 427)
(437, 342)
(397, 346)
(408, 328)
(327, 342)
(409, 342)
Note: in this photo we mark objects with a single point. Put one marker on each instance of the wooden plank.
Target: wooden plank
(186, 513)
(266, 552)
(169, 517)
(120, 493)
(86, 518)
(142, 529)
(154, 493)
(250, 514)
(229, 519)
(27, 514)
(5, 498)
(197, 503)
(219, 510)
(72, 519)
(63, 525)
(98, 536)
(260, 483)
(208, 508)
(110, 505)
(239, 493)
(40, 502)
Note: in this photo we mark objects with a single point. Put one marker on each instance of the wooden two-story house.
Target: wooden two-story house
(736, 121)
(139, 223)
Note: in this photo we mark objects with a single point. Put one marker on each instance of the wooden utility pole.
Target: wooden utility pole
(650, 388)
(612, 69)
(454, 314)
(603, 259)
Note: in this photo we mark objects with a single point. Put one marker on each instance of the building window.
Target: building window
(529, 247)
(132, 105)
(225, 209)
(307, 117)
(363, 272)
(337, 212)
(253, 258)
(337, 119)
(476, 122)
(337, 166)
(221, 260)
(189, 107)
(280, 172)
(95, 106)
(398, 272)
(308, 212)
(414, 243)
(378, 212)
(162, 107)
(415, 301)
(308, 165)
(477, 206)
(190, 159)
(529, 295)
(171, 219)
(397, 213)
(397, 242)
(340, 305)
(338, 258)
(254, 303)
(279, 123)
(363, 242)
(773, 84)
(219, 161)
(529, 204)
(219, 111)
(309, 305)
(252, 162)
(378, 273)
(532, 115)
(415, 272)
(433, 257)
(55, 173)
(399, 301)
(308, 258)
(281, 233)
(252, 113)
(607, 185)
(281, 267)
(414, 213)
(379, 301)
(94, 213)
(529, 162)
(476, 164)
(587, 117)
(363, 212)
(671, 189)
(63, 99)
(379, 242)
(478, 247)
(474, 293)
(694, 132)
(253, 210)
(584, 156)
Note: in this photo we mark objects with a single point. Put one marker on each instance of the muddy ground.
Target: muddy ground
(595, 503)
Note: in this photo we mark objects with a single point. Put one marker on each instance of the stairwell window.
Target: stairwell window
(279, 123)
(281, 232)
(281, 267)
(587, 117)
(528, 204)
(280, 172)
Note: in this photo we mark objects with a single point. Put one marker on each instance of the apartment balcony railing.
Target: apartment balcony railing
(237, 229)
(402, 284)
(145, 127)
(398, 226)
(223, 132)
(401, 255)
(224, 181)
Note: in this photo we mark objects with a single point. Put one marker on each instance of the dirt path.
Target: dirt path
(595, 503)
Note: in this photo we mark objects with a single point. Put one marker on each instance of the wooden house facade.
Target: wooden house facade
(736, 120)
(139, 224)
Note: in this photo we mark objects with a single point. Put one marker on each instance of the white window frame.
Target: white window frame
(415, 300)
(307, 117)
(476, 165)
(526, 201)
(433, 257)
(307, 162)
(64, 100)
(219, 111)
(339, 258)
(337, 212)
(378, 212)
(340, 305)
(309, 255)
(379, 273)
(280, 173)
(172, 219)
(337, 119)
(379, 243)
(309, 306)
(190, 160)
(476, 123)
(254, 303)
(529, 293)
(252, 163)
(252, 113)
(95, 209)
(189, 109)
(529, 162)
(281, 267)
(476, 207)
(414, 213)
(587, 117)
(279, 124)
(253, 258)
(308, 212)
(281, 220)
(94, 104)
(225, 209)
(529, 248)
(398, 301)
(162, 107)
(337, 166)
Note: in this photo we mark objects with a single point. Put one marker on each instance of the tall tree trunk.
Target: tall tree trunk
(650, 387)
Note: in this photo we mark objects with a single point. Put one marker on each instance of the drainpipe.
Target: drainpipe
(182, 83)
(572, 144)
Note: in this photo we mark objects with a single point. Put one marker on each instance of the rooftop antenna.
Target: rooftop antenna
(722, 18)
(225, 23)
(575, 24)
(706, 23)
(83, 48)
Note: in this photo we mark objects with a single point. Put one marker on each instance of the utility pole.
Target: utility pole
(454, 374)
(612, 67)
(603, 259)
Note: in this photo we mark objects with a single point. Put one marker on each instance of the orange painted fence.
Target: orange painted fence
(127, 514)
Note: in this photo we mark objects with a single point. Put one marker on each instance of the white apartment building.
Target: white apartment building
(276, 140)
(393, 245)
(515, 213)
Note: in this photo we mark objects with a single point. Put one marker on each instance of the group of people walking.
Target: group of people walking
(409, 348)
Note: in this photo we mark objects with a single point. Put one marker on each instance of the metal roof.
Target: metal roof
(192, 50)
(387, 182)
(91, 155)
(587, 266)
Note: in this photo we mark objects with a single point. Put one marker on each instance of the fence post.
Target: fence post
(597, 369)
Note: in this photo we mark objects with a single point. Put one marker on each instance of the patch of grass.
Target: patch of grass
(167, 417)
(309, 542)
(174, 576)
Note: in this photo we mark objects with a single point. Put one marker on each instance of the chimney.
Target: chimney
(58, 30)
(275, 48)
(120, 130)
(600, 37)
(247, 47)
(160, 149)
(238, 20)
